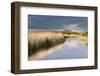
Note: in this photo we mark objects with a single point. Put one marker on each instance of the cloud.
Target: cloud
(73, 27)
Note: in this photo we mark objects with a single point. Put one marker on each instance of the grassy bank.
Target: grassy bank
(44, 44)
(38, 41)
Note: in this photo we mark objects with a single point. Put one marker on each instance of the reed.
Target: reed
(44, 44)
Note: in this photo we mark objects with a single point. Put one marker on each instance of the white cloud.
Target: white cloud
(73, 27)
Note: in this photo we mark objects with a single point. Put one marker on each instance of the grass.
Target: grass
(44, 40)
(84, 34)
(44, 44)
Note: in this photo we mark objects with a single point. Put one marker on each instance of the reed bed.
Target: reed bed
(44, 42)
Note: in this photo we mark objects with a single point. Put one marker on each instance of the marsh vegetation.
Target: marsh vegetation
(44, 40)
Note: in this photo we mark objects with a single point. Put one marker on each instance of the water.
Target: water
(73, 48)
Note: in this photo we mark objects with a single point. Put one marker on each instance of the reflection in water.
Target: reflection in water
(71, 43)
(44, 53)
(73, 48)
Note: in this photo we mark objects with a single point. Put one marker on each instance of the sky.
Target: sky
(47, 22)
